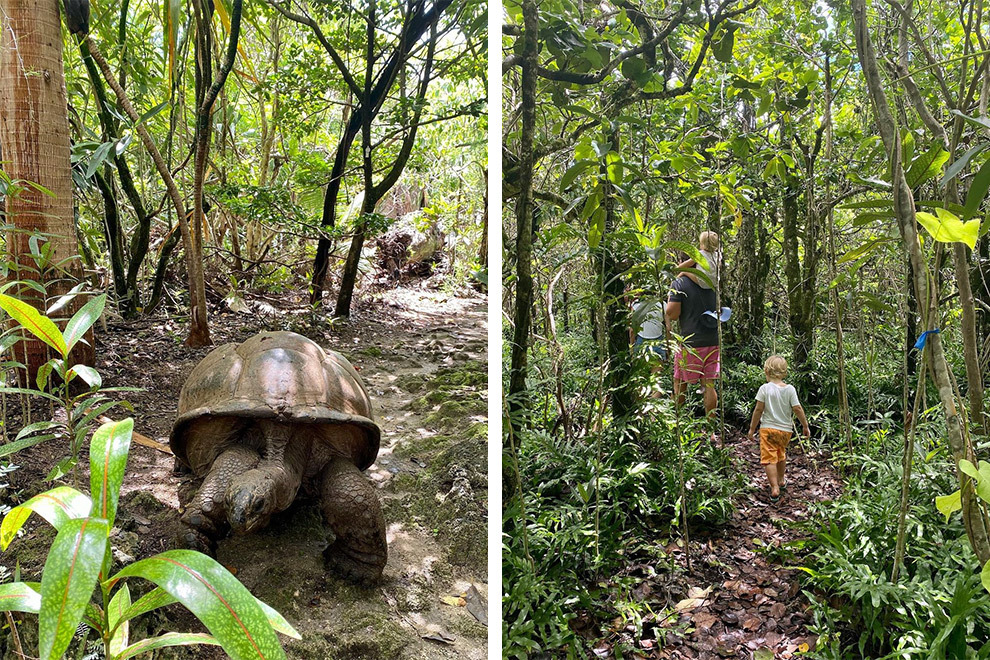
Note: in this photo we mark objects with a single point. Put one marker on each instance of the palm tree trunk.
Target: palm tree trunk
(34, 134)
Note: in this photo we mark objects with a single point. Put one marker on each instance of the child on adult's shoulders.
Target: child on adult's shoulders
(776, 401)
(708, 245)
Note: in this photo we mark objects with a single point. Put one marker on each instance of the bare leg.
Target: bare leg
(205, 519)
(353, 512)
(780, 471)
(710, 396)
(772, 477)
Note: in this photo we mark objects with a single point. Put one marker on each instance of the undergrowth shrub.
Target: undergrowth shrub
(937, 609)
(560, 558)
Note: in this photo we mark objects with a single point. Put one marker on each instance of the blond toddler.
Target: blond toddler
(775, 402)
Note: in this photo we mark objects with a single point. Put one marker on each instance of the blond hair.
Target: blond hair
(775, 367)
(708, 241)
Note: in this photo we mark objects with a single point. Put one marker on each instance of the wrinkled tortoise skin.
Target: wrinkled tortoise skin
(264, 419)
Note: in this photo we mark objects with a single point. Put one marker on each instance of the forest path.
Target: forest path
(422, 354)
(743, 602)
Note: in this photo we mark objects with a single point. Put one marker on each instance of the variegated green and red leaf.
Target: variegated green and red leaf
(217, 598)
(57, 506)
(67, 582)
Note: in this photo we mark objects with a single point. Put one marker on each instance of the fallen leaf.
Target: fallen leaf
(778, 610)
(689, 604)
(442, 637)
(752, 623)
(695, 592)
(703, 620)
(455, 601)
(763, 654)
(803, 647)
(476, 605)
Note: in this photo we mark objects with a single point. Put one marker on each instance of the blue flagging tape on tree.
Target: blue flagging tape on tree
(923, 339)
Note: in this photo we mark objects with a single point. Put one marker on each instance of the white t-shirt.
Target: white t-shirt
(778, 404)
(652, 324)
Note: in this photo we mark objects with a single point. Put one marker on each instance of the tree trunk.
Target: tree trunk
(797, 288)
(905, 213)
(612, 287)
(522, 310)
(34, 134)
(747, 293)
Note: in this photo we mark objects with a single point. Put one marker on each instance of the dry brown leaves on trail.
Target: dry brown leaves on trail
(740, 601)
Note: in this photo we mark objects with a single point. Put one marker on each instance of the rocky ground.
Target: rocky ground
(423, 357)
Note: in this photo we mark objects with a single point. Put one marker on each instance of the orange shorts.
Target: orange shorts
(773, 445)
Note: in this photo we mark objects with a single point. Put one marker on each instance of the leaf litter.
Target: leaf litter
(744, 599)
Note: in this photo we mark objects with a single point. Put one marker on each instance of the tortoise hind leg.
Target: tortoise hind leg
(353, 512)
(205, 519)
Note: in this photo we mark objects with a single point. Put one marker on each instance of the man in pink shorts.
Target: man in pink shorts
(698, 358)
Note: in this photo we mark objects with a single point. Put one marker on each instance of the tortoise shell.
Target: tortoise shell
(279, 375)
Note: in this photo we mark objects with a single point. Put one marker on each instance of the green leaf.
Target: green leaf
(985, 576)
(152, 600)
(948, 228)
(968, 468)
(217, 598)
(278, 622)
(61, 468)
(162, 641)
(947, 504)
(98, 158)
(957, 166)
(84, 319)
(580, 109)
(38, 325)
(121, 627)
(89, 375)
(34, 428)
(107, 460)
(154, 111)
(65, 299)
(13, 447)
(67, 582)
(907, 146)
(58, 506)
(44, 371)
(926, 166)
(596, 229)
(979, 122)
(632, 68)
(573, 172)
(723, 49)
(689, 249)
(26, 390)
(977, 191)
(19, 597)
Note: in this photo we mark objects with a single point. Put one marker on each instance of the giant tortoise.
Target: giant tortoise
(262, 419)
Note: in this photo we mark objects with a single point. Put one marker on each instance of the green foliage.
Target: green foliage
(270, 205)
(592, 503)
(79, 563)
(937, 608)
(82, 405)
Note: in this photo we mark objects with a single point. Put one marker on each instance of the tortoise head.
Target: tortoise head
(250, 501)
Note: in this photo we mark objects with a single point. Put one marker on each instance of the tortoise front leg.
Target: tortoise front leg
(205, 519)
(353, 512)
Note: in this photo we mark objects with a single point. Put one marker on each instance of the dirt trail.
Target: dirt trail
(423, 358)
(739, 601)
(754, 602)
